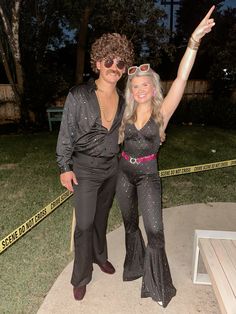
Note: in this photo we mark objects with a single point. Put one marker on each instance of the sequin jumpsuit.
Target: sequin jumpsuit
(138, 188)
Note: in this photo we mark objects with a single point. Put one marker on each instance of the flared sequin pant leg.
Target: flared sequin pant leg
(157, 282)
(126, 195)
(146, 189)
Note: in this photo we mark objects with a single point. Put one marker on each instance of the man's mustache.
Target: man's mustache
(113, 72)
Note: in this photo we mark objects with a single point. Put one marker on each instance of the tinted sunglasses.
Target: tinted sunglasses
(109, 62)
(143, 68)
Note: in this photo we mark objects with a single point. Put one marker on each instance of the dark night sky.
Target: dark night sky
(227, 3)
(230, 3)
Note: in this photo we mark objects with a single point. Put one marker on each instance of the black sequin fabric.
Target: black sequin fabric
(139, 189)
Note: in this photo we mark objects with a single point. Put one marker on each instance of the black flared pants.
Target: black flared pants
(93, 198)
(139, 189)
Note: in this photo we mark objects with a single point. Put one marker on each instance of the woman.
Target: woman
(142, 131)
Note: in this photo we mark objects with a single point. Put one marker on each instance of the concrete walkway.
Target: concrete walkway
(108, 294)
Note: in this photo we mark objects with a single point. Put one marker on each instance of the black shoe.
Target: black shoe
(131, 278)
(107, 268)
(79, 292)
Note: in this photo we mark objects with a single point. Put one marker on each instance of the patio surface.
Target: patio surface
(108, 294)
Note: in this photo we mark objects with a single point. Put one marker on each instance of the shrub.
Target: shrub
(219, 112)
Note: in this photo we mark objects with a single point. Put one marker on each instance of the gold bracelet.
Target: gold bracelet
(198, 42)
(193, 44)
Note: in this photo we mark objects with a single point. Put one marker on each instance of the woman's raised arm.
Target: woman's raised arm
(176, 91)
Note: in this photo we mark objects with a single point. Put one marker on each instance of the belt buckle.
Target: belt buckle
(133, 160)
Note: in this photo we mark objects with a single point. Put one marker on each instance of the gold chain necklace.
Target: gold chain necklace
(103, 110)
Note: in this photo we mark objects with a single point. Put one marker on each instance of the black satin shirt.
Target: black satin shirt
(81, 127)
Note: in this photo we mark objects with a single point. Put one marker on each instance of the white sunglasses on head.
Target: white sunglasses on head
(142, 68)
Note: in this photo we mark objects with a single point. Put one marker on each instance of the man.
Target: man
(87, 151)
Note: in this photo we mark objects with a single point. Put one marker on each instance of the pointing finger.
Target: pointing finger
(209, 13)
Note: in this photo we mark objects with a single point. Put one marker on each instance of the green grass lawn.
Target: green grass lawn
(29, 180)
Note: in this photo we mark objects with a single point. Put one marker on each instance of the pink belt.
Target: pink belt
(138, 160)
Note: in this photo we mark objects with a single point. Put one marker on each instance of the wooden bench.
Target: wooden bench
(218, 252)
(54, 114)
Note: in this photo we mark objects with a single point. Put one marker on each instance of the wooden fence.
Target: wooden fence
(193, 88)
(9, 112)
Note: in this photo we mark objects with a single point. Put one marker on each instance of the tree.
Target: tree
(82, 40)
(53, 60)
(42, 37)
(142, 22)
(216, 59)
(76, 16)
(190, 14)
(222, 71)
(9, 41)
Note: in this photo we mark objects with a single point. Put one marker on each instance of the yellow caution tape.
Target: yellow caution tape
(197, 168)
(43, 213)
(33, 221)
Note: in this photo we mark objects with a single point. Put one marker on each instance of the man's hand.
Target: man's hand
(67, 179)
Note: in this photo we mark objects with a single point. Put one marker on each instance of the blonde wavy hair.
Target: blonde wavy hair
(130, 113)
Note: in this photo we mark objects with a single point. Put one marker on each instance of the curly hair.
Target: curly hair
(130, 113)
(112, 45)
